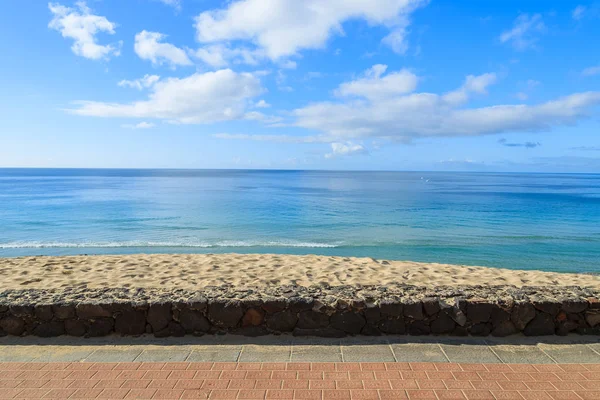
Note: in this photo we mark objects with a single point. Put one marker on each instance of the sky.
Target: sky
(498, 85)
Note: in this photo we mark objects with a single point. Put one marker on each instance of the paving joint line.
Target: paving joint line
(495, 354)
(591, 348)
(444, 353)
(542, 350)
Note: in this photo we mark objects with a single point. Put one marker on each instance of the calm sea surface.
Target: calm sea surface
(525, 221)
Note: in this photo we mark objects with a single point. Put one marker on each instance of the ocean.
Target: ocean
(548, 222)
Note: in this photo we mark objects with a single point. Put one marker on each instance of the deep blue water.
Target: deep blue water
(526, 221)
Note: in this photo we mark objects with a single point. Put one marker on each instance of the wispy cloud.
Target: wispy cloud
(585, 148)
(346, 149)
(591, 71)
(578, 12)
(141, 125)
(524, 33)
(527, 145)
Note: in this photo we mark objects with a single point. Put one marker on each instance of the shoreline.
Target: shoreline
(196, 271)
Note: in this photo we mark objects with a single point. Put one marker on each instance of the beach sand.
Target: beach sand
(194, 271)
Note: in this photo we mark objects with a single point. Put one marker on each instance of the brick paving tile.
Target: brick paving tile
(322, 381)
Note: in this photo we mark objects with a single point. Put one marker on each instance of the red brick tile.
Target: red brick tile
(103, 366)
(349, 384)
(223, 394)
(83, 374)
(518, 376)
(241, 384)
(540, 386)
(110, 383)
(296, 384)
(199, 365)
(168, 394)
(130, 366)
(458, 385)
(175, 365)
(372, 366)
(269, 366)
(259, 374)
(388, 375)
(392, 394)
(322, 366)
(492, 376)
(543, 376)
(595, 395)
(422, 366)
(448, 367)
(591, 367)
(140, 394)
(33, 383)
(347, 367)
(486, 385)
(223, 366)
(590, 385)
(268, 384)
(548, 368)
(364, 394)
(383, 384)
(306, 394)
(572, 367)
(58, 383)
(14, 374)
(156, 375)
(498, 367)
(593, 375)
(535, 395)
(215, 384)
(478, 394)
(309, 375)
(280, 394)
(188, 384)
(55, 366)
(30, 375)
(523, 368)
(397, 366)
(114, 374)
(89, 394)
(163, 383)
(232, 375)
(513, 385)
(113, 394)
(321, 384)
(248, 366)
(466, 376)
(439, 375)
(414, 374)
(430, 384)
(564, 395)
(298, 366)
(450, 395)
(11, 393)
(29, 393)
(338, 376)
(151, 365)
(195, 394)
(507, 395)
(404, 384)
(79, 366)
(285, 375)
(566, 385)
(187, 374)
(252, 394)
(473, 367)
(136, 383)
(62, 394)
(84, 383)
(336, 394)
(421, 394)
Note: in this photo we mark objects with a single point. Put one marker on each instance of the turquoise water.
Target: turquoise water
(526, 221)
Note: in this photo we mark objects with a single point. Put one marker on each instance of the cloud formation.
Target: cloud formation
(591, 71)
(527, 145)
(82, 26)
(142, 83)
(346, 149)
(523, 34)
(140, 125)
(150, 46)
(578, 12)
(281, 28)
(379, 112)
(197, 99)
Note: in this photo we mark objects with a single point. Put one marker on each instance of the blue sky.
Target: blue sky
(363, 84)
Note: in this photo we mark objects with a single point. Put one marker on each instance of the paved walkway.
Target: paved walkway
(399, 380)
(230, 367)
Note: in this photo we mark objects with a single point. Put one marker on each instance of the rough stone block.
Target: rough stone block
(348, 322)
(479, 311)
(75, 327)
(63, 311)
(541, 325)
(131, 323)
(312, 320)
(100, 327)
(12, 325)
(159, 316)
(225, 313)
(193, 321)
(522, 314)
(50, 329)
(89, 311)
(413, 309)
(283, 321)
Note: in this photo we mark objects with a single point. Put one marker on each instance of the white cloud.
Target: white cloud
(373, 85)
(221, 55)
(172, 3)
(578, 12)
(199, 98)
(283, 27)
(149, 46)
(262, 104)
(273, 138)
(522, 96)
(591, 71)
(145, 82)
(408, 116)
(141, 125)
(346, 149)
(82, 26)
(523, 35)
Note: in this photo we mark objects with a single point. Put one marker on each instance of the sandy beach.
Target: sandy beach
(194, 271)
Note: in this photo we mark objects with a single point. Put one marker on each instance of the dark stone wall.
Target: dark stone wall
(313, 311)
